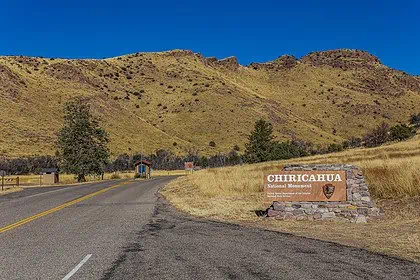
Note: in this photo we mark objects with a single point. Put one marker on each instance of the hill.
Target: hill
(179, 100)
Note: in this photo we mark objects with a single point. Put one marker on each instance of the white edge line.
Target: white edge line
(70, 274)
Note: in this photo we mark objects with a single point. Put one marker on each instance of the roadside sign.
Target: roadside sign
(2, 173)
(189, 165)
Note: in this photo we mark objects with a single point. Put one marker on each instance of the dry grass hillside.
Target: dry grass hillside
(234, 194)
(179, 100)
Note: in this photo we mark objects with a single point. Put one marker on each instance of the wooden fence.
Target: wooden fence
(9, 182)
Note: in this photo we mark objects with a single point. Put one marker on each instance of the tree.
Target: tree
(378, 136)
(287, 150)
(82, 143)
(415, 120)
(401, 132)
(261, 144)
(353, 142)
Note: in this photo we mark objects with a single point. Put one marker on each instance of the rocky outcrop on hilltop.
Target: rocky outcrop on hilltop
(10, 82)
(344, 59)
(230, 63)
(281, 63)
(67, 72)
(384, 81)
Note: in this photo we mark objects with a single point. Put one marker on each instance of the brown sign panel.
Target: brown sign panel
(305, 186)
(189, 165)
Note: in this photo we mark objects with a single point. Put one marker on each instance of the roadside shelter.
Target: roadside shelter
(50, 176)
(143, 168)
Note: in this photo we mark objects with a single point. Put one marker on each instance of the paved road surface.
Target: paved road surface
(127, 232)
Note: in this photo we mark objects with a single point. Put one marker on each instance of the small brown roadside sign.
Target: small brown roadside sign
(307, 186)
(189, 165)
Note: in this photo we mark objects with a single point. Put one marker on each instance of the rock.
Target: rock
(230, 63)
(288, 216)
(356, 196)
(317, 216)
(298, 212)
(365, 198)
(361, 219)
(301, 218)
(272, 213)
(342, 58)
(284, 62)
(328, 215)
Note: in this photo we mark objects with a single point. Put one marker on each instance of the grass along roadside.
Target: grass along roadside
(68, 179)
(233, 194)
(8, 190)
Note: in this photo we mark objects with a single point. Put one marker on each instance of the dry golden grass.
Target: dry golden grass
(8, 190)
(233, 194)
(33, 180)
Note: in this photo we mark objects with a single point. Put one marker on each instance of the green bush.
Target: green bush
(353, 142)
(401, 132)
(332, 148)
(415, 120)
(287, 150)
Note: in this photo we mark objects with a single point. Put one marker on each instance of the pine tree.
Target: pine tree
(82, 143)
(261, 144)
(415, 120)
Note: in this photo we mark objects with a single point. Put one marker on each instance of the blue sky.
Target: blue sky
(250, 30)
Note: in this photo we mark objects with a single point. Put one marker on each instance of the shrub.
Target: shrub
(137, 175)
(287, 150)
(353, 142)
(115, 176)
(415, 121)
(402, 132)
(332, 148)
(378, 136)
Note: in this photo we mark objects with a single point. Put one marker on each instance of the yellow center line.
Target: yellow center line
(58, 208)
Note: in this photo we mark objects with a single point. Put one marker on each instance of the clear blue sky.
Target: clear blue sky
(250, 30)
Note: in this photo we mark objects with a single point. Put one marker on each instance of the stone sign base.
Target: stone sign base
(358, 208)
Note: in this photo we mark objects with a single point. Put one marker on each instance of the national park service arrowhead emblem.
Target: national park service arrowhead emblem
(328, 190)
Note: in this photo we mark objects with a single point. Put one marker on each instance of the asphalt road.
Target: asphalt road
(128, 232)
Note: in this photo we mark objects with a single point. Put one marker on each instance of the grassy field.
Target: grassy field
(233, 194)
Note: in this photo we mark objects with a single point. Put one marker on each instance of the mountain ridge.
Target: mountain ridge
(180, 100)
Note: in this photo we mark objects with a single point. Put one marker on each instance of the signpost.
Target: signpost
(2, 174)
(189, 166)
